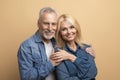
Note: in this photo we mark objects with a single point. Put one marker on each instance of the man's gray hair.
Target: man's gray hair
(47, 10)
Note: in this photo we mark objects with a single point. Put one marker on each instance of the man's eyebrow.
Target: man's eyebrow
(53, 23)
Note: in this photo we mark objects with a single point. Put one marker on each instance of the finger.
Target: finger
(56, 58)
(56, 55)
(59, 49)
(59, 60)
(53, 50)
(53, 56)
(90, 51)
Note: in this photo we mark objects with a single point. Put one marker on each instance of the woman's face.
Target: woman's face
(67, 31)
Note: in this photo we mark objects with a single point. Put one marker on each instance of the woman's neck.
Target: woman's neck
(72, 45)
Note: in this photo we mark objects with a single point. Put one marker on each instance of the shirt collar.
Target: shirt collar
(70, 50)
(38, 38)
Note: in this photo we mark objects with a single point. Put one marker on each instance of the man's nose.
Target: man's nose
(50, 26)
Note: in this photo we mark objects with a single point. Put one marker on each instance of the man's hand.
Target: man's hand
(90, 51)
(53, 61)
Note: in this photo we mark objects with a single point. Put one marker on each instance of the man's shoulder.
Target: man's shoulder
(29, 41)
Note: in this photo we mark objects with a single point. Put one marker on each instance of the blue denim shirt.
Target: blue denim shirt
(83, 68)
(32, 59)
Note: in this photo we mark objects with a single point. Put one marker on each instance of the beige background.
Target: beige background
(99, 20)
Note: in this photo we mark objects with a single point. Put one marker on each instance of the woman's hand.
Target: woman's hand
(61, 55)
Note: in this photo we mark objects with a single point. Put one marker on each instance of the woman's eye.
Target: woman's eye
(63, 29)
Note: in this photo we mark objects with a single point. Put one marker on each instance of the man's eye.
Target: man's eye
(72, 27)
(54, 24)
(46, 23)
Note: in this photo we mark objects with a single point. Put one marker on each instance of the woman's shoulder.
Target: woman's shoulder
(85, 45)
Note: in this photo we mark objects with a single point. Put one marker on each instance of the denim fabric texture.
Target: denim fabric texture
(83, 68)
(32, 59)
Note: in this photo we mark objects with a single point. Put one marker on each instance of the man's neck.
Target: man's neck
(46, 40)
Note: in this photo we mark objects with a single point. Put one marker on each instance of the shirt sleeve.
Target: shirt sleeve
(29, 70)
(63, 73)
(81, 64)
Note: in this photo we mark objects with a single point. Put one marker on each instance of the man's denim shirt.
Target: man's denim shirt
(32, 59)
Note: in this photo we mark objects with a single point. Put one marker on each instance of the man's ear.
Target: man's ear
(38, 23)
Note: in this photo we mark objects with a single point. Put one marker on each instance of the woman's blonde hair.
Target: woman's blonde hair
(65, 17)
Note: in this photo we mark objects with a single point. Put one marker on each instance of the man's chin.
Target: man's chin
(48, 37)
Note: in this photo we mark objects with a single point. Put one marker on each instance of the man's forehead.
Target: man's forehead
(49, 15)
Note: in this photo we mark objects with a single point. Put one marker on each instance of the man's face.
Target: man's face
(47, 25)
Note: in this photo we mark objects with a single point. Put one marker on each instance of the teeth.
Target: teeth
(69, 36)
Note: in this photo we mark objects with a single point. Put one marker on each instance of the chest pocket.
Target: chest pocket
(37, 57)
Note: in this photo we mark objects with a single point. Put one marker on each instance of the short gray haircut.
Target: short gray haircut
(47, 10)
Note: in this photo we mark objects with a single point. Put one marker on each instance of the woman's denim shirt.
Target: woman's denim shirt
(32, 59)
(83, 68)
